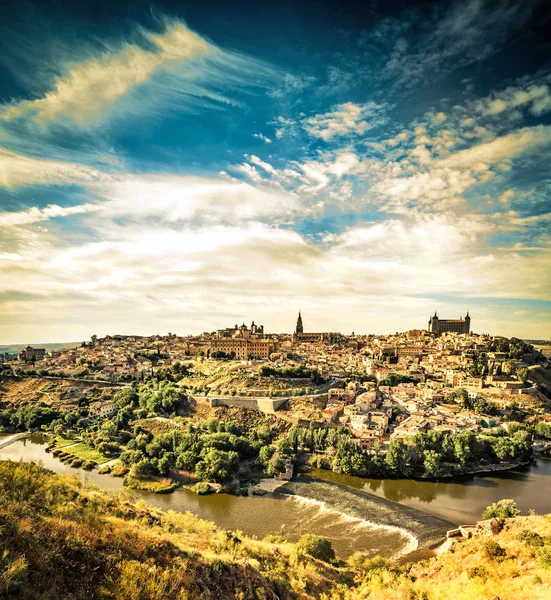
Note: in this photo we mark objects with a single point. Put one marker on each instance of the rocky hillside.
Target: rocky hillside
(63, 394)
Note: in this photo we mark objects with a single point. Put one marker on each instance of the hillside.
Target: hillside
(63, 394)
(60, 539)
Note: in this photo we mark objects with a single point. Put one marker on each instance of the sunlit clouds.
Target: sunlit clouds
(165, 180)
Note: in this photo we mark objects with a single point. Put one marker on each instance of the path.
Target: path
(12, 438)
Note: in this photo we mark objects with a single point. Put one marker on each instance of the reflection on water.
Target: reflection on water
(460, 500)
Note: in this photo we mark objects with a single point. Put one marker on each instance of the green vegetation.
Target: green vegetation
(503, 509)
(513, 347)
(201, 488)
(317, 546)
(543, 430)
(158, 486)
(214, 452)
(86, 453)
(61, 442)
(431, 454)
(396, 379)
(27, 418)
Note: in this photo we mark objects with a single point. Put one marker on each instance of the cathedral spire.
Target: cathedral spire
(299, 328)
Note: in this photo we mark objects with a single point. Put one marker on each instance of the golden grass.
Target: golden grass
(59, 534)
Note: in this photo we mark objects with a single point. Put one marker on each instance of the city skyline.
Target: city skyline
(167, 169)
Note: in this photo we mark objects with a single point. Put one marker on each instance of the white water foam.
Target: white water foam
(411, 544)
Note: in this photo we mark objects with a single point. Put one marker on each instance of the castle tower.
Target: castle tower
(433, 324)
(299, 328)
(467, 323)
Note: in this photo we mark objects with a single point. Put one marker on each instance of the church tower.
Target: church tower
(299, 328)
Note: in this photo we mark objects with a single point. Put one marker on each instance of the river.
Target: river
(387, 517)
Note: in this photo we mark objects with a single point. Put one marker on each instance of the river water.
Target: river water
(387, 517)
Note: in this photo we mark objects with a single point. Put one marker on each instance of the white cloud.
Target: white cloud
(17, 170)
(262, 164)
(260, 136)
(501, 149)
(34, 214)
(506, 197)
(91, 89)
(194, 278)
(344, 119)
(537, 98)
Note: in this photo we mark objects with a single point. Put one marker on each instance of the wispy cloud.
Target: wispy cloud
(18, 170)
(36, 215)
(455, 35)
(177, 61)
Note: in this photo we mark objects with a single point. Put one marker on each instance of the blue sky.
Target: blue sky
(183, 166)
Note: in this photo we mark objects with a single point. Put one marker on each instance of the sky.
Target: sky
(183, 166)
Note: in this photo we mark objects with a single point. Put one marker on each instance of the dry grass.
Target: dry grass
(59, 535)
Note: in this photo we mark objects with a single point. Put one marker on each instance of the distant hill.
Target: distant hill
(16, 348)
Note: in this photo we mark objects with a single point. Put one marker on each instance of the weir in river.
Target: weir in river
(356, 514)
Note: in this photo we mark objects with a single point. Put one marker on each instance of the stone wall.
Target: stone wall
(265, 405)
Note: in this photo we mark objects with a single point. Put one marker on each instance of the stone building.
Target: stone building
(299, 328)
(241, 331)
(30, 354)
(325, 337)
(437, 325)
(243, 347)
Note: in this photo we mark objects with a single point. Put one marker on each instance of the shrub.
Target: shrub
(201, 488)
(275, 539)
(504, 509)
(317, 546)
(478, 571)
(543, 556)
(530, 538)
(119, 470)
(89, 465)
(361, 562)
(494, 551)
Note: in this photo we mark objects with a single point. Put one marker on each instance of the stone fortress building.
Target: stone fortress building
(460, 325)
(243, 342)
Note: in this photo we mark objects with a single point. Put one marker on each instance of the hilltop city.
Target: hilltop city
(443, 378)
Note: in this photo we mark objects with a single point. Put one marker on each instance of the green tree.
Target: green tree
(318, 546)
(265, 453)
(503, 509)
(522, 374)
(217, 465)
(275, 466)
(432, 463)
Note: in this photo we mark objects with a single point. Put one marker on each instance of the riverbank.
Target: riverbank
(257, 516)
(461, 500)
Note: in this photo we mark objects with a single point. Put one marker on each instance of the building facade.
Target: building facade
(244, 348)
(437, 325)
(30, 354)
